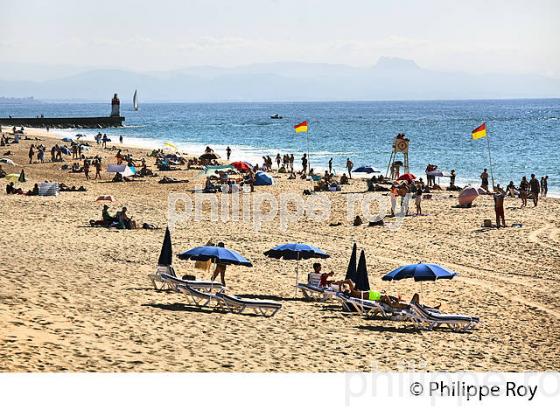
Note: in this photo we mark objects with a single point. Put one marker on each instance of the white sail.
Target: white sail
(135, 100)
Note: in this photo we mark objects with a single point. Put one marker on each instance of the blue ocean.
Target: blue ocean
(524, 134)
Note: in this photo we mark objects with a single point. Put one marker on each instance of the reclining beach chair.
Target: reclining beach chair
(428, 319)
(157, 280)
(205, 285)
(236, 304)
(368, 308)
(198, 297)
(311, 292)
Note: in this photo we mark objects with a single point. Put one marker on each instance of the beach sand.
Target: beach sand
(76, 298)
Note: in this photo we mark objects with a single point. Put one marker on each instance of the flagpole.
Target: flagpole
(490, 159)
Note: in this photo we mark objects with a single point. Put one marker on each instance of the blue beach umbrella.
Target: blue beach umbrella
(296, 251)
(420, 272)
(216, 254)
(366, 168)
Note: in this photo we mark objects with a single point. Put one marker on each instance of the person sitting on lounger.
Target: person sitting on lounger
(314, 278)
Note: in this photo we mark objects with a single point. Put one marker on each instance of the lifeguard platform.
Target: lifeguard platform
(400, 149)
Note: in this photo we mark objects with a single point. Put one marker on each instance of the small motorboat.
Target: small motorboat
(276, 117)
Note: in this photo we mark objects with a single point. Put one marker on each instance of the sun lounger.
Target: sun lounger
(236, 304)
(311, 292)
(368, 308)
(198, 297)
(427, 319)
(206, 285)
(157, 280)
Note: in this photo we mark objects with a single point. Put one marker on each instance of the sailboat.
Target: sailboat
(135, 100)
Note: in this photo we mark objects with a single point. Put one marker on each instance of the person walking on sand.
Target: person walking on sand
(278, 160)
(330, 166)
(499, 208)
(544, 186)
(523, 191)
(535, 189)
(220, 269)
(349, 166)
(418, 199)
(31, 153)
(104, 140)
(228, 152)
(121, 139)
(97, 164)
(484, 179)
(86, 169)
(304, 163)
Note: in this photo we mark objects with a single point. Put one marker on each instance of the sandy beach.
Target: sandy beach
(76, 298)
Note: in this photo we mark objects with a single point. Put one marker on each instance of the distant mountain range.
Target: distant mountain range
(389, 79)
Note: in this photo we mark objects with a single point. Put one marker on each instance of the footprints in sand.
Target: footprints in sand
(547, 237)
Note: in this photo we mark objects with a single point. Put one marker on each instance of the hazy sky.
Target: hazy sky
(472, 36)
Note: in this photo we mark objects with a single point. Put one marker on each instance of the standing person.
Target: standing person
(349, 166)
(121, 139)
(86, 168)
(452, 177)
(104, 139)
(523, 191)
(499, 208)
(304, 163)
(535, 189)
(228, 152)
(484, 179)
(31, 153)
(330, 166)
(220, 269)
(53, 153)
(544, 186)
(41, 153)
(405, 197)
(428, 176)
(278, 160)
(97, 164)
(394, 195)
(418, 199)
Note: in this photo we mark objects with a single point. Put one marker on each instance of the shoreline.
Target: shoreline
(239, 153)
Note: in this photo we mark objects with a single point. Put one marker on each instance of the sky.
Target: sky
(492, 36)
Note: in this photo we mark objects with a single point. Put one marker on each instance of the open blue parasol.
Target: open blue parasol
(216, 254)
(420, 272)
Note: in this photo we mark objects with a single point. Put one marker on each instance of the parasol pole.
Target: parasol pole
(490, 158)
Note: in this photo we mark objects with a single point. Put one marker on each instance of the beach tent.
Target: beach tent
(366, 169)
(129, 171)
(407, 177)
(116, 168)
(362, 281)
(67, 139)
(241, 166)
(467, 196)
(420, 272)
(109, 198)
(262, 178)
(48, 189)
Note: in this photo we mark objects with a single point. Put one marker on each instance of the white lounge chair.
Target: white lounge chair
(311, 292)
(236, 304)
(205, 285)
(428, 319)
(157, 280)
(198, 297)
(368, 308)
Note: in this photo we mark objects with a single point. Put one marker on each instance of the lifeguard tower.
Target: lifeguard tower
(400, 146)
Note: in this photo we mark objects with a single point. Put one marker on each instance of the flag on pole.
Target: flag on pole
(479, 132)
(301, 127)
